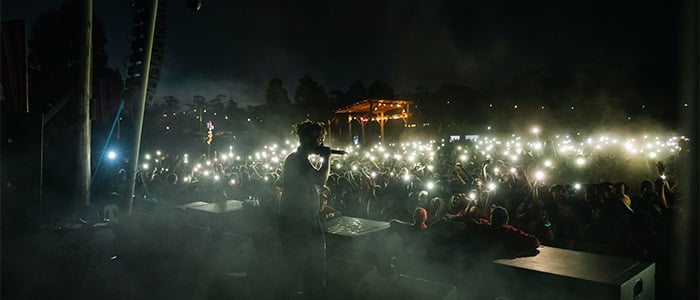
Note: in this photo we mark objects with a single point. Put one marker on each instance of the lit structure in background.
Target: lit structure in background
(380, 110)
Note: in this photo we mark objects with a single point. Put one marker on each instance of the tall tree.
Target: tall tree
(309, 92)
(380, 90)
(276, 95)
(199, 102)
(356, 92)
(172, 105)
(217, 103)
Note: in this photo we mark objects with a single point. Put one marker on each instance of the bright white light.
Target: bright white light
(112, 155)
(373, 174)
(535, 130)
(144, 166)
(232, 182)
(406, 177)
(158, 152)
(496, 170)
(652, 154)
(186, 179)
(216, 177)
(338, 166)
(513, 170)
(354, 168)
(472, 195)
(577, 186)
(539, 175)
(208, 162)
(547, 163)
(430, 185)
(147, 156)
(580, 161)
(492, 186)
(206, 173)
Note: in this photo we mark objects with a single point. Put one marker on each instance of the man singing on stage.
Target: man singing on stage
(302, 241)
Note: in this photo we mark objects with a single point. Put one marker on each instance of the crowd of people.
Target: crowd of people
(527, 191)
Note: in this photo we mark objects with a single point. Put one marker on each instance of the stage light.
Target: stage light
(112, 155)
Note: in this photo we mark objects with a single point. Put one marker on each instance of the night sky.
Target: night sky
(236, 47)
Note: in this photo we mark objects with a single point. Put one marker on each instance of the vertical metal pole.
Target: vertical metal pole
(85, 85)
(139, 104)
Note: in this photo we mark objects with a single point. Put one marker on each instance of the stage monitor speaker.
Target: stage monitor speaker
(21, 158)
(346, 276)
(567, 274)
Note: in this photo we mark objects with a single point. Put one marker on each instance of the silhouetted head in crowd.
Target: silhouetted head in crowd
(459, 201)
(646, 186)
(437, 209)
(499, 216)
(423, 198)
(420, 217)
(558, 192)
(311, 134)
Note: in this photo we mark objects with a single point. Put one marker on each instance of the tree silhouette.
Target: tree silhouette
(172, 105)
(276, 94)
(217, 103)
(356, 92)
(380, 90)
(310, 93)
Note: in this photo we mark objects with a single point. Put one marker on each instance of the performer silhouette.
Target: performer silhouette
(302, 240)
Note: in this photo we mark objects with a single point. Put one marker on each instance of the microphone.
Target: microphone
(341, 152)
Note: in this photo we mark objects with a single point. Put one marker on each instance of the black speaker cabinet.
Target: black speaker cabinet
(566, 274)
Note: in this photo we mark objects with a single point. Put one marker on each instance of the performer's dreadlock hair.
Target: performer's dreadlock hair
(308, 131)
